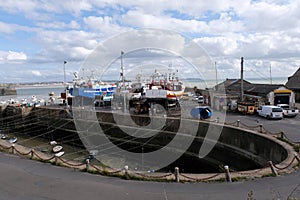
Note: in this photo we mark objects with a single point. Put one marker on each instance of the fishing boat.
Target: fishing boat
(92, 89)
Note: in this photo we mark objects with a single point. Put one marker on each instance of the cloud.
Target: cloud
(262, 31)
(12, 57)
(36, 73)
(16, 56)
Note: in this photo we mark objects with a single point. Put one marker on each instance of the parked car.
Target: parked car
(270, 112)
(288, 111)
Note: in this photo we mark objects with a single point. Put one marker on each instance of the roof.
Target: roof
(294, 80)
(228, 82)
(263, 88)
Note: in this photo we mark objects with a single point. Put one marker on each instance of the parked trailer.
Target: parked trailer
(246, 108)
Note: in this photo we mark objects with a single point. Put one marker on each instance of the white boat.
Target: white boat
(57, 148)
(4, 136)
(12, 140)
(59, 154)
(52, 143)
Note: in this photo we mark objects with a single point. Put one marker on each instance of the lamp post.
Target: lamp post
(65, 62)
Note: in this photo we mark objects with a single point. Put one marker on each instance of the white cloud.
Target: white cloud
(262, 31)
(16, 56)
(36, 73)
(59, 25)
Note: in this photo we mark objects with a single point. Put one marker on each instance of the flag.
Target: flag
(65, 62)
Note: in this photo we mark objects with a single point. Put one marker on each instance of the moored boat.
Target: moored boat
(57, 148)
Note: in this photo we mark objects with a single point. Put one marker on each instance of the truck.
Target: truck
(288, 111)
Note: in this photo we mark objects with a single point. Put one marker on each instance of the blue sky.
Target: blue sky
(36, 36)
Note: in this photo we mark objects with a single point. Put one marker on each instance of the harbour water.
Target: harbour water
(41, 92)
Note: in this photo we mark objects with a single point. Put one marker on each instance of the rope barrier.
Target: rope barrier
(70, 164)
(148, 176)
(298, 142)
(23, 154)
(199, 179)
(283, 168)
(39, 157)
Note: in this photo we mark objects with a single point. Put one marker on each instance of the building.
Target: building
(293, 83)
(258, 93)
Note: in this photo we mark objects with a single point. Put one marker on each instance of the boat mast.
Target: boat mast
(122, 70)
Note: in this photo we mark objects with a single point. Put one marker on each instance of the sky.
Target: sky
(37, 36)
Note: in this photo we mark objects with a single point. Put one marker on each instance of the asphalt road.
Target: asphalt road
(290, 126)
(26, 179)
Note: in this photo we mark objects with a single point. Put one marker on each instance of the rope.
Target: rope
(39, 157)
(251, 127)
(283, 168)
(148, 176)
(23, 154)
(253, 172)
(298, 142)
(232, 123)
(200, 179)
(70, 164)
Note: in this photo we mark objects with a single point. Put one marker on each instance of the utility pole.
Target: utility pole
(271, 74)
(242, 79)
(216, 73)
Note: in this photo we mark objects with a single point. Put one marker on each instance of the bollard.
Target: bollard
(260, 128)
(282, 135)
(227, 173)
(32, 154)
(274, 172)
(13, 148)
(56, 160)
(126, 171)
(87, 165)
(297, 157)
(218, 120)
(238, 123)
(176, 174)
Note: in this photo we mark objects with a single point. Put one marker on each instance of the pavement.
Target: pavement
(27, 179)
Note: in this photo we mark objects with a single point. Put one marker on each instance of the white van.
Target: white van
(270, 112)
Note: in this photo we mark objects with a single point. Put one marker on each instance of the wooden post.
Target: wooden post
(32, 154)
(176, 173)
(126, 171)
(274, 172)
(297, 157)
(227, 173)
(260, 128)
(281, 134)
(56, 160)
(13, 148)
(87, 165)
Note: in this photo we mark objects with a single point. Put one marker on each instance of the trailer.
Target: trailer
(246, 108)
